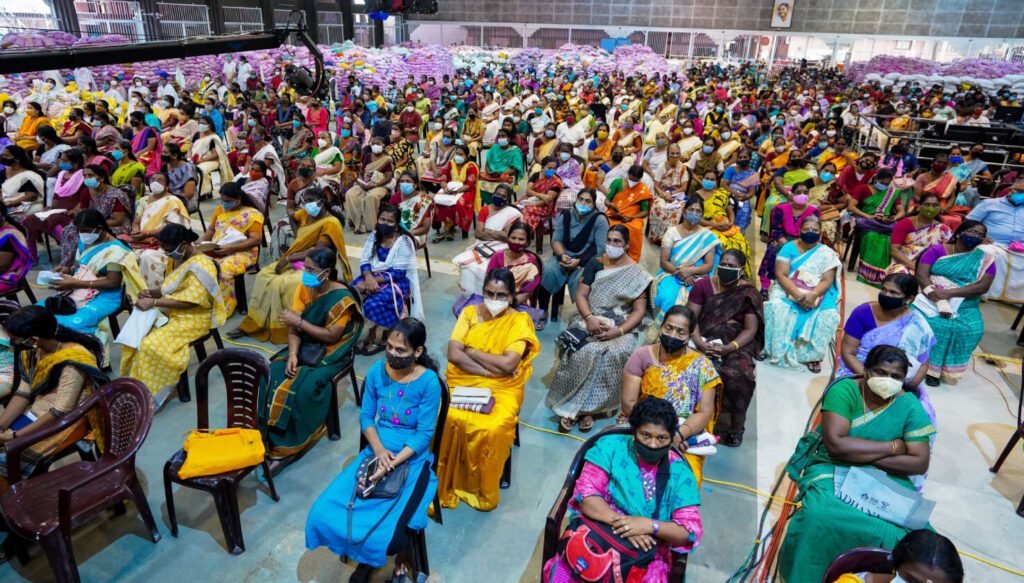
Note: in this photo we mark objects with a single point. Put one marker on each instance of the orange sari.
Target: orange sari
(602, 151)
(628, 200)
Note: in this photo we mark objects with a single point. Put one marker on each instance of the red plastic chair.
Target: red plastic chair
(553, 527)
(243, 372)
(46, 508)
(859, 560)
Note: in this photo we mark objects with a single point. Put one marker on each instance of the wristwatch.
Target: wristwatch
(655, 525)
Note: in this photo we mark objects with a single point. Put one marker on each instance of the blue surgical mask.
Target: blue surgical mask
(252, 123)
(708, 184)
(1017, 198)
(693, 218)
(89, 238)
(230, 205)
(502, 142)
(460, 160)
(446, 141)
(582, 208)
(826, 176)
(549, 133)
(312, 208)
(880, 186)
(177, 253)
(345, 133)
(117, 155)
(204, 127)
(64, 166)
(406, 187)
(549, 172)
(719, 110)
(708, 149)
(956, 159)
(295, 123)
(91, 182)
(564, 156)
(311, 280)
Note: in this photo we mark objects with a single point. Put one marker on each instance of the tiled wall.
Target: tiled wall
(944, 18)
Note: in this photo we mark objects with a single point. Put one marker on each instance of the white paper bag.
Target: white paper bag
(137, 326)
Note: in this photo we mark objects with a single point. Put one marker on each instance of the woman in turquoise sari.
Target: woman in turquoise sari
(325, 313)
(503, 165)
(867, 423)
(397, 417)
(688, 253)
(784, 178)
(953, 277)
(802, 312)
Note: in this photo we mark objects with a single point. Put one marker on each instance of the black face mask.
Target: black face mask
(6, 161)
(385, 230)
(651, 455)
(672, 344)
(887, 302)
(165, 158)
(305, 171)
(810, 238)
(498, 202)
(728, 275)
(400, 362)
(618, 157)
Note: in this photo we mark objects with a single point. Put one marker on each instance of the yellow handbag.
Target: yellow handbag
(211, 452)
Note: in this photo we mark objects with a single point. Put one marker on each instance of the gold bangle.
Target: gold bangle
(621, 331)
(736, 344)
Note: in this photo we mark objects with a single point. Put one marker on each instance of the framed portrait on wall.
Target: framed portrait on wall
(782, 14)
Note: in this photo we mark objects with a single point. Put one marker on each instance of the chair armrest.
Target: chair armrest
(64, 495)
(553, 524)
(677, 574)
(14, 447)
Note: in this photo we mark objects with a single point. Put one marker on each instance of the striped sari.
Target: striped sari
(685, 251)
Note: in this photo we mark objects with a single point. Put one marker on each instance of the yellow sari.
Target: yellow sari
(475, 446)
(272, 293)
(716, 210)
(839, 160)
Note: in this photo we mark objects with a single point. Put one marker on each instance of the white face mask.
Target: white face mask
(89, 238)
(496, 307)
(885, 387)
(321, 142)
(726, 135)
(9, 110)
(687, 131)
(631, 182)
(156, 187)
(376, 148)
(613, 251)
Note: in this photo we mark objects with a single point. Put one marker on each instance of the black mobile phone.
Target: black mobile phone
(371, 469)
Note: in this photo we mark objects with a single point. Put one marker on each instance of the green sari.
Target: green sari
(825, 526)
(292, 413)
(776, 198)
(876, 236)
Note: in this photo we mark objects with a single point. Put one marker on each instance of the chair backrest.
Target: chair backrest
(127, 411)
(244, 371)
(442, 418)
(859, 560)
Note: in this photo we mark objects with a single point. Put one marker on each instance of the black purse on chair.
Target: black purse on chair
(389, 486)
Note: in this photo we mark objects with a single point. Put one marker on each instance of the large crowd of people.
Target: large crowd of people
(702, 168)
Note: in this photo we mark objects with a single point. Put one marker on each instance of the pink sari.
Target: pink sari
(150, 159)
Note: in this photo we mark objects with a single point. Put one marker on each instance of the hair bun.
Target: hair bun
(61, 305)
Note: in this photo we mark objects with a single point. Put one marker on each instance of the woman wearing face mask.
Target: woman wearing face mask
(348, 146)
(324, 312)
(542, 191)
(236, 214)
(670, 182)
(436, 157)
(491, 347)
(401, 399)
(34, 119)
(69, 196)
(614, 489)
(578, 235)
(610, 171)
(786, 219)
(128, 172)
(781, 184)
(315, 226)
(10, 119)
(115, 204)
(105, 133)
(328, 162)
(720, 216)
(21, 183)
(802, 312)
(912, 235)
(668, 369)
(628, 201)
(15, 259)
(612, 299)
(503, 164)
(703, 160)
(868, 420)
(569, 171)
(146, 143)
(401, 150)
(876, 208)
(210, 155)
(61, 368)
(192, 304)
(415, 206)
(656, 155)
(461, 192)
(741, 180)
(730, 331)
(599, 151)
(953, 276)
(153, 213)
(181, 128)
(409, 121)
(75, 127)
(389, 277)
(628, 138)
(316, 117)
(363, 199)
(299, 145)
(525, 266)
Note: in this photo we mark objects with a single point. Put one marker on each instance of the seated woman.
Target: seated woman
(612, 300)
(617, 487)
(235, 217)
(115, 204)
(146, 143)
(828, 197)
(730, 331)
(542, 191)
(492, 227)
(324, 313)
(669, 181)
(741, 181)
(570, 172)
(389, 277)
(191, 302)
(868, 421)
(670, 370)
(786, 219)
(720, 216)
(465, 176)
(60, 368)
(953, 276)
(922, 555)
(153, 213)
(491, 347)
(414, 205)
(329, 162)
(524, 265)
(628, 203)
(69, 196)
(184, 180)
(503, 164)
(274, 288)
(875, 208)
(802, 313)
(21, 183)
(128, 172)
(299, 144)
(363, 199)
(258, 184)
(94, 281)
(913, 234)
(401, 399)
(210, 155)
(792, 172)
(689, 251)
(305, 178)
(15, 259)
(579, 234)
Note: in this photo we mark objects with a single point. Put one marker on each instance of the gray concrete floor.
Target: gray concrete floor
(974, 507)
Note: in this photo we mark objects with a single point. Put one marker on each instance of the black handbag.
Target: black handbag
(311, 353)
(388, 487)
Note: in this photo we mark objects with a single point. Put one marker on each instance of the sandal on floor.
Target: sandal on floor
(586, 424)
(814, 367)
(449, 236)
(931, 381)
(371, 348)
(236, 333)
(733, 439)
(538, 325)
(565, 424)
(361, 574)
(438, 238)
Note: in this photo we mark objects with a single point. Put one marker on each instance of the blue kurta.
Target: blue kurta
(404, 415)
